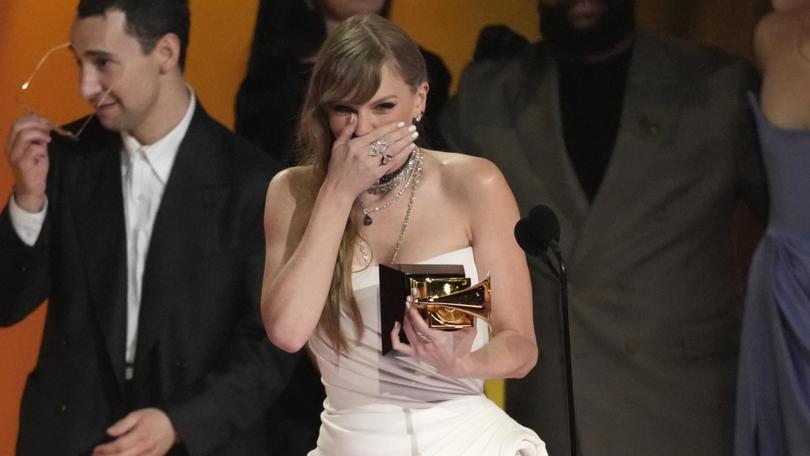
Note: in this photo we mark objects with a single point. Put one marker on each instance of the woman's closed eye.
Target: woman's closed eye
(385, 106)
(341, 109)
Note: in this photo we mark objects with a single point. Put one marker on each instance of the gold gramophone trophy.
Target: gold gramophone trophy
(442, 293)
(451, 303)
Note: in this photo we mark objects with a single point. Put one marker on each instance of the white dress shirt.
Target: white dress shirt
(145, 169)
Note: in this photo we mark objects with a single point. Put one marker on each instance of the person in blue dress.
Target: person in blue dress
(773, 398)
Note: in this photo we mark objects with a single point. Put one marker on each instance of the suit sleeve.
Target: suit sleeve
(478, 90)
(460, 111)
(239, 391)
(23, 273)
(24, 269)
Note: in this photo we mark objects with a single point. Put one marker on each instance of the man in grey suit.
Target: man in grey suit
(643, 146)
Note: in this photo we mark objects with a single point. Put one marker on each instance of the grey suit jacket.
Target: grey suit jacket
(654, 304)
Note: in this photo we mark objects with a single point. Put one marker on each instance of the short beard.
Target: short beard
(616, 24)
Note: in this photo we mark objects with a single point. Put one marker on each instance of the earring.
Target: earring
(419, 117)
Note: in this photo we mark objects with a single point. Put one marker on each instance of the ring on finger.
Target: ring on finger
(425, 338)
(385, 159)
(378, 147)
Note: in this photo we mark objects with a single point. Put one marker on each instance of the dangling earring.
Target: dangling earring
(419, 117)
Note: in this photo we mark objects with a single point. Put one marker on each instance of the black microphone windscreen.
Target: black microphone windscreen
(544, 222)
(525, 238)
(535, 232)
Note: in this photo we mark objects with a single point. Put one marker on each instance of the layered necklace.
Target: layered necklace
(408, 173)
(412, 179)
(390, 181)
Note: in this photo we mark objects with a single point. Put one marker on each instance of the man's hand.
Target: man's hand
(27, 153)
(143, 432)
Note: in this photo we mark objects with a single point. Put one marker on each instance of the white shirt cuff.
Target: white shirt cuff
(27, 225)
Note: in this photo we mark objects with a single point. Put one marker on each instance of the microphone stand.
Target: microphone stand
(566, 336)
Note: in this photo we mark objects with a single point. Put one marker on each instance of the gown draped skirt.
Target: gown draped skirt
(773, 394)
(386, 405)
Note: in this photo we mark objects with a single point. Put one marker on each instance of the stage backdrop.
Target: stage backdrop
(218, 53)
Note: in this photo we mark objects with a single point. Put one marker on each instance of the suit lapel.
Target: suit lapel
(99, 211)
(539, 127)
(180, 235)
(649, 117)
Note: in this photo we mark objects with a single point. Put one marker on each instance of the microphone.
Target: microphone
(536, 234)
(539, 231)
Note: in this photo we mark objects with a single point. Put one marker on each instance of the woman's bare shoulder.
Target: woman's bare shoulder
(468, 172)
(293, 176)
(292, 180)
(292, 188)
(780, 31)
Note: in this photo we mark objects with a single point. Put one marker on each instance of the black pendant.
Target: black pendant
(367, 220)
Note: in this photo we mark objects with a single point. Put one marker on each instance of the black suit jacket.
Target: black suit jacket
(202, 355)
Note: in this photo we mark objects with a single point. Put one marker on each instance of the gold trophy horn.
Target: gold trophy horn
(444, 306)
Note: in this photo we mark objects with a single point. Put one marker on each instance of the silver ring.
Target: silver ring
(425, 338)
(385, 159)
(378, 147)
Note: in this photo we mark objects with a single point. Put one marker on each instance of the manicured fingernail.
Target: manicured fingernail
(412, 128)
(415, 134)
(401, 124)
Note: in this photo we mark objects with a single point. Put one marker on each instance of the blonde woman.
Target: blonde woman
(370, 195)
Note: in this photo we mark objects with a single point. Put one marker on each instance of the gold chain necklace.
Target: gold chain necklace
(417, 174)
(413, 182)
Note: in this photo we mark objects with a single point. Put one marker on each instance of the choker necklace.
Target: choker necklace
(388, 182)
(414, 170)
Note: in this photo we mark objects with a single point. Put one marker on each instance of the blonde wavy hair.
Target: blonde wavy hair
(348, 71)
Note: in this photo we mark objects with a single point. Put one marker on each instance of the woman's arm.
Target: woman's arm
(512, 352)
(301, 254)
(300, 258)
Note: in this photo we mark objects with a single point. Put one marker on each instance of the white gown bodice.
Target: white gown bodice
(363, 375)
(396, 406)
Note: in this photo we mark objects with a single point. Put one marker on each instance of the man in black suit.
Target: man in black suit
(146, 237)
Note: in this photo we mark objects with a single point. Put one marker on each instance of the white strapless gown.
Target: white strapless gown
(396, 406)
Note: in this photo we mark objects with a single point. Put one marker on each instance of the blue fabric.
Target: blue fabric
(773, 396)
